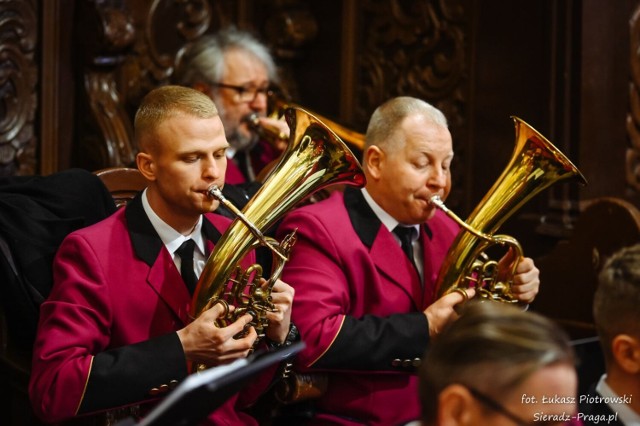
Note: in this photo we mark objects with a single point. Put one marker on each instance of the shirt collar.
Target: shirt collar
(387, 220)
(626, 415)
(171, 238)
(231, 151)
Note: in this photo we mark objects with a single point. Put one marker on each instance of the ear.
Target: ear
(146, 165)
(374, 158)
(202, 87)
(626, 352)
(455, 406)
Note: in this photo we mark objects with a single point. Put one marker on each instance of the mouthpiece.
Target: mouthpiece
(253, 120)
(214, 192)
(437, 201)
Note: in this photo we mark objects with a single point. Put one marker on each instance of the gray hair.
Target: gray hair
(204, 60)
(387, 118)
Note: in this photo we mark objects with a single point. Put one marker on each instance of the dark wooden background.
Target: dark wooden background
(73, 71)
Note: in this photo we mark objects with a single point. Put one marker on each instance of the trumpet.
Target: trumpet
(274, 136)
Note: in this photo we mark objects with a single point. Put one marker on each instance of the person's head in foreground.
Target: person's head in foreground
(498, 365)
(616, 314)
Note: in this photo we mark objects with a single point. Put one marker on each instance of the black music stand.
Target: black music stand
(200, 394)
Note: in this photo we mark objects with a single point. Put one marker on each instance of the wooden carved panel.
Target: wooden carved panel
(135, 47)
(633, 117)
(417, 48)
(413, 48)
(18, 80)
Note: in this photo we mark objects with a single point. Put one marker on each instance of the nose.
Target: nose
(211, 169)
(259, 103)
(437, 179)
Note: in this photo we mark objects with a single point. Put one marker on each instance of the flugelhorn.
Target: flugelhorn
(535, 165)
(314, 158)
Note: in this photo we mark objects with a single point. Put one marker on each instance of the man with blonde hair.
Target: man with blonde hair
(115, 333)
(237, 71)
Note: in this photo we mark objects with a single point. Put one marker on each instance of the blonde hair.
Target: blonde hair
(492, 347)
(166, 102)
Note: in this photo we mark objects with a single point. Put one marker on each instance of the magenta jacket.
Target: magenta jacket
(106, 336)
(359, 307)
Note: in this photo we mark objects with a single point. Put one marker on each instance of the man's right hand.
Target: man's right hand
(205, 343)
(443, 311)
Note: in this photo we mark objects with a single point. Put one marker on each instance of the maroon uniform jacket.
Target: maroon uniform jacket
(359, 307)
(106, 336)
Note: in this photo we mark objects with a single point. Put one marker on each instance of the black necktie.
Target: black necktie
(405, 233)
(185, 251)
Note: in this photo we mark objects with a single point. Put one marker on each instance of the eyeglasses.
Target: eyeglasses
(497, 407)
(245, 94)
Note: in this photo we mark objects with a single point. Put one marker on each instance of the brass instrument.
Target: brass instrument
(278, 105)
(314, 158)
(271, 134)
(534, 166)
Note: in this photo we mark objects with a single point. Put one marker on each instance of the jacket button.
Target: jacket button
(164, 388)
(154, 391)
(417, 362)
(396, 363)
(173, 384)
(406, 363)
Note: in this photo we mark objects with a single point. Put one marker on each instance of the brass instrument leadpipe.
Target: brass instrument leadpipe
(214, 192)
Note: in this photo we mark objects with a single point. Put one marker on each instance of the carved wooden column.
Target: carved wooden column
(18, 81)
(632, 166)
(104, 133)
(131, 47)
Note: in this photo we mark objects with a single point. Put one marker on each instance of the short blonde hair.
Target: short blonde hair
(166, 102)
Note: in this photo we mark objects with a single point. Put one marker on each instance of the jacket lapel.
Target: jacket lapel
(163, 275)
(383, 248)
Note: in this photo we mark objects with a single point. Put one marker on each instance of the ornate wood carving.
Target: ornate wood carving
(632, 166)
(416, 48)
(413, 48)
(135, 49)
(18, 80)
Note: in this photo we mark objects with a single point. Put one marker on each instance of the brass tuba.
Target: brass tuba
(315, 158)
(534, 166)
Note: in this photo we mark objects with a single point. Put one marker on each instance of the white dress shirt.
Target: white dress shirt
(172, 239)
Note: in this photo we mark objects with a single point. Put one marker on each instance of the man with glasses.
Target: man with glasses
(498, 365)
(237, 71)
